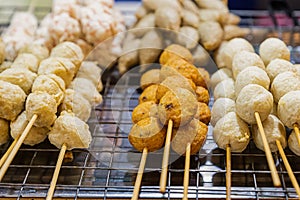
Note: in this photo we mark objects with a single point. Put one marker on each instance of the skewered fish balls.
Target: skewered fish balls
(288, 109)
(87, 89)
(274, 130)
(273, 48)
(22, 77)
(74, 102)
(179, 105)
(12, 99)
(39, 51)
(251, 75)
(293, 143)
(245, 59)
(26, 60)
(51, 84)
(149, 94)
(144, 110)
(219, 76)
(193, 133)
(221, 107)
(254, 98)
(233, 47)
(35, 136)
(175, 52)
(4, 134)
(203, 113)
(284, 83)
(70, 130)
(149, 78)
(44, 106)
(225, 89)
(278, 66)
(231, 129)
(147, 133)
(202, 94)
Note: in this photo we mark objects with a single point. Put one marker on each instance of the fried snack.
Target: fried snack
(205, 74)
(220, 108)
(26, 61)
(190, 19)
(225, 89)
(5, 65)
(231, 19)
(210, 15)
(154, 4)
(231, 129)
(273, 48)
(293, 143)
(211, 34)
(200, 56)
(233, 31)
(219, 55)
(219, 76)
(194, 133)
(254, 98)
(190, 6)
(143, 25)
(188, 37)
(175, 52)
(179, 105)
(278, 66)
(35, 136)
(4, 134)
(148, 133)
(141, 12)
(2, 51)
(89, 70)
(149, 94)
(171, 18)
(203, 113)
(149, 78)
(39, 51)
(274, 130)
(202, 95)
(144, 110)
(212, 4)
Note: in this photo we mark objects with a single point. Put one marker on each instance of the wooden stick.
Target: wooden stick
(228, 172)
(139, 177)
(13, 144)
(288, 168)
(272, 167)
(186, 171)
(17, 147)
(165, 161)
(56, 172)
(296, 129)
(31, 6)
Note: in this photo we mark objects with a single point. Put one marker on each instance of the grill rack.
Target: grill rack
(109, 171)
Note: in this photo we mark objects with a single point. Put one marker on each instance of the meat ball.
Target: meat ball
(233, 47)
(74, 102)
(220, 108)
(148, 133)
(251, 75)
(231, 129)
(245, 59)
(149, 94)
(293, 143)
(27, 61)
(19, 76)
(39, 51)
(288, 109)
(254, 98)
(225, 89)
(284, 83)
(219, 76)
(211, 34)
(274, 130)
(44, 106)
(50, 84)
(70, 130)
(87, 89)
(202, 95)
(35, 136)
(194, 133)
(4, 134)
(179, 105)
(89, 70)
(12, 99)
(273, 48)
(144, 110)
(171, 16)
(203, 113)
(149, 78)
(278, 66)
(175, 52)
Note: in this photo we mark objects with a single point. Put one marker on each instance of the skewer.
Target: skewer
(139, 177)
(56, 172)
(165, 161)
(186, 171)
(17, 146)
(31, 6)
(228, 171)
(296, 129)
(4, 157)
(288, 168)
(274, 174)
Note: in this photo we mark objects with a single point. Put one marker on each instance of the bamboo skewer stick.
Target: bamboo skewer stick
(139, 177)
(17, 147)
(270, 160)
(56, 172)
(228, 172)
(288, 168)
(186, 171)
(13, 144)
(31, 6)
(165, 161)
(296, 129)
